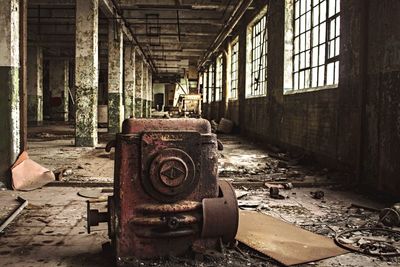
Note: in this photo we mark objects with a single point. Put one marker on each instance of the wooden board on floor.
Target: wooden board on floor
(284, 242)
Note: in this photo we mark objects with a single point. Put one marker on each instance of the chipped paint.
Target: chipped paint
(86, 72)
(115, 72)
(129, 81)
(139, 96)
(9, 93)
(58, 85)
(35, 85)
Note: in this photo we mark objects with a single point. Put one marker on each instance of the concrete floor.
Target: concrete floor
(51, 230)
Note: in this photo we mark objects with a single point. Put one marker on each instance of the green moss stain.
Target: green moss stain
(9, 119)
(138, 108)
(35, 109)
(86, 117)
(115, 112)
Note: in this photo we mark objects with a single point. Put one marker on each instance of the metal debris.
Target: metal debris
(390, 216)
(318, 194)
(14, 215)
(371, 241)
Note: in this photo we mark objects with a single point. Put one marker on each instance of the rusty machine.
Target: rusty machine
(167, 198)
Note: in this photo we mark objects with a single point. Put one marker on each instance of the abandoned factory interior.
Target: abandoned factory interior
(199, 133)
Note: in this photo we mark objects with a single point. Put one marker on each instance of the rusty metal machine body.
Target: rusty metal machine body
(167, 198)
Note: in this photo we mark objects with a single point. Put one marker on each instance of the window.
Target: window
(234, 69)
(210, 88)
(205, 87)
(218, 79)
(258, 44)
(316, 43)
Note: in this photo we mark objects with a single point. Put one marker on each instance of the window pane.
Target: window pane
(321, 76)
(314, 77)
(321, 54)
(330, 74)
(322, 33)
(322, 11)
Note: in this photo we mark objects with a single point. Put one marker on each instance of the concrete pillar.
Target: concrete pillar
(59, 86)
(115, 72)
(151, 95)
(226, 70)
(35, 85)
(145, 91)
(86, 72)
(9, 89)
(139, 87)
(129, 81)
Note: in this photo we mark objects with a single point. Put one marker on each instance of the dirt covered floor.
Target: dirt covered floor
(51, 230)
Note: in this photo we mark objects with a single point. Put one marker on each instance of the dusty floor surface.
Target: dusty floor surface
(51, 231)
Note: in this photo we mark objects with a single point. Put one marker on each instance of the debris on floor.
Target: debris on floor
(371, 241)
(225, 126)
(286, 243)
(390, 216)
(55, 220)
(28, 175)
(15, 213)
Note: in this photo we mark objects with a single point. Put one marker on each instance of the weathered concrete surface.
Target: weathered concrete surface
(381, 144)
(9, 90)
(139, 96)
(35, 85)
(59, 86)
(52, 230)
(129, 81)
(145, 91)
(353, 126)
(151, 92)
(115, 74)
(86, 72)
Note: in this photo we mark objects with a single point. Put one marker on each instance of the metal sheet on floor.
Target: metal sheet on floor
(284, 242)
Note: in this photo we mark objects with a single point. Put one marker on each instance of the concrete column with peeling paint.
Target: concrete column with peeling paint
(35, 85)
(139, 87)
(9, 90)
(129, 81)
(115, 72)
(86, 72)
(58, 87)
(150, 81)
(145, 91)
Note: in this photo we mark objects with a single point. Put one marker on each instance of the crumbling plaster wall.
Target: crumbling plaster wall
(355, 126)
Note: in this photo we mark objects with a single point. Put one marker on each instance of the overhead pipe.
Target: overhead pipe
(236, 15)
(148, 59)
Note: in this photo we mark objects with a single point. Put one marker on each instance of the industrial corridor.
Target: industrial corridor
(199, 133)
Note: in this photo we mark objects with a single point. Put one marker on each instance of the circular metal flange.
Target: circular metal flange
(221, 214)
(172, 175)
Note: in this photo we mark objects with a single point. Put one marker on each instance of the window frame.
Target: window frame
(234, 71)
(205, 86)
(250, 61)
(211, 82)
(310, 71)
(219, 66)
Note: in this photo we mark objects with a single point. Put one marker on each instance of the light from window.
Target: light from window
(234, 70)
(218, 79)
(259, 58)
(211, 92)
(316, 43)
(205, 89)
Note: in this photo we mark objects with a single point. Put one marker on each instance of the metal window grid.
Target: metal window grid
(218, 79)
(211, 85)
(234, 69)
(259, 58)
(316, 43)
